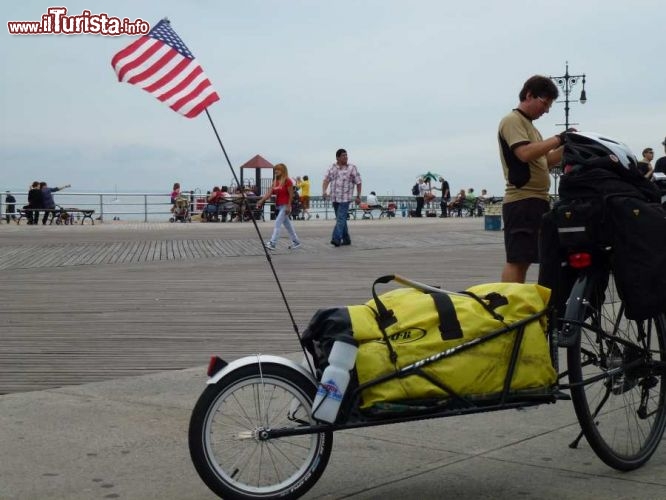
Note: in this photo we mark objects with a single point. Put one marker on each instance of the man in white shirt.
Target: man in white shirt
(420, 199)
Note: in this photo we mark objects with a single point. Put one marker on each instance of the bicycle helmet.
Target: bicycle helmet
(590, 149)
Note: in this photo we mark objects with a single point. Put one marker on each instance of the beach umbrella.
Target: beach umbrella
(430, 176)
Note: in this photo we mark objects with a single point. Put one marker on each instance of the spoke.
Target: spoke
(273, 462)
(282, 411)
(261, 461)
(238, 467)
(265, 396)
(604, 398)
(235, 418)
(272, 443)
(267, 405)
(257, 401)
(241, 407)
(629, 415)
(290, 441)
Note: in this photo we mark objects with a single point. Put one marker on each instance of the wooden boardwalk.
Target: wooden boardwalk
(88, 303)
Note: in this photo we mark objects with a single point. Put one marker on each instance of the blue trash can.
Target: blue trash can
(493, 222)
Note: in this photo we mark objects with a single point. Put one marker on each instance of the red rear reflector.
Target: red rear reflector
(211, 366)
(580, 260)
(215, 365)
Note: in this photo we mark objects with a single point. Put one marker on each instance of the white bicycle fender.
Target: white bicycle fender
(263, 359)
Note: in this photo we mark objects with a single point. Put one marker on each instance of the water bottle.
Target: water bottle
(334, 381)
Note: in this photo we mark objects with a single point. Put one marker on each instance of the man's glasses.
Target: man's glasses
(545, 102)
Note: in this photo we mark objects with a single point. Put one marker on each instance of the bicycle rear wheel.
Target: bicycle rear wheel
(622, 412)
(225, 436)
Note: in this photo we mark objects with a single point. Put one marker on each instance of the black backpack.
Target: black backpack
(415, 189)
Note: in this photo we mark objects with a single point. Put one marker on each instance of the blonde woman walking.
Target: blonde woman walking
(283, 190)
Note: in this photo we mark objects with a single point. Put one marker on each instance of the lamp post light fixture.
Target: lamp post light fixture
(566, 83)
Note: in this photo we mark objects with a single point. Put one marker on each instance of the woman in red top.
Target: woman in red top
(283, 190)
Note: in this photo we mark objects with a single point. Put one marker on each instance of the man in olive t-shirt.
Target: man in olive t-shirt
(526, 159)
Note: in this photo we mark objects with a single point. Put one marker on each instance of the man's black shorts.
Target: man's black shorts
(522, 220)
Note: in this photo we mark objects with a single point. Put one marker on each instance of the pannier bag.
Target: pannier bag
(600, 208)
(580, 223)
(581, 213)
(639, 255)
(418, 323)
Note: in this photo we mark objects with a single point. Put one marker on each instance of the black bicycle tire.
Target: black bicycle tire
(604, 450)
(197, 437)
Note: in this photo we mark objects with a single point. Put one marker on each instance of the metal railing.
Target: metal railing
(157, 206)
(107, 206)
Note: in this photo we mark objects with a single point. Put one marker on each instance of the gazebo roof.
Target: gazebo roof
(257, 161)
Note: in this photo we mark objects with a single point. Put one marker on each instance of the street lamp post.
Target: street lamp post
(566, 83)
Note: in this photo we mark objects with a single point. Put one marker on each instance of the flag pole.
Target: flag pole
(256, 227)
(130, 65)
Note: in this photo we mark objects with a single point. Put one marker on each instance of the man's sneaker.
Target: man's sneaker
(295, 245)
(270, 245)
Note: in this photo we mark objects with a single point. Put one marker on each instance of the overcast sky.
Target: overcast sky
(405, 87)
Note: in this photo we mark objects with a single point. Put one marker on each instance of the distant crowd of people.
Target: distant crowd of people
(425, 198)
(221, 203)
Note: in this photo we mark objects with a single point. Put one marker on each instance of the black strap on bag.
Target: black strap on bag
(489, 302)
(384, 317)
(449, 326)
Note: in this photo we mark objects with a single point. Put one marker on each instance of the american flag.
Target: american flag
(161, 64)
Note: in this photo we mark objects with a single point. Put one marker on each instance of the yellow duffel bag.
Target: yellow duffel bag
(420, 322)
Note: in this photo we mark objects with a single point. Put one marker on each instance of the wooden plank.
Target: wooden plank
(105, 301)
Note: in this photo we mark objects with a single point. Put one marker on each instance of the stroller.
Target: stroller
(61, 216)
(181, 210)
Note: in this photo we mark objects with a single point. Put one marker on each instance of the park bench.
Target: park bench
(61, 215)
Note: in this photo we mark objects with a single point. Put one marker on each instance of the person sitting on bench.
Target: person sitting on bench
(371, 201)
(457, 204)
